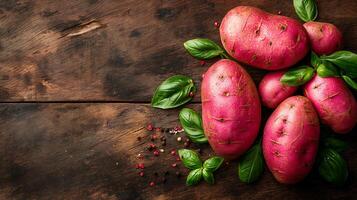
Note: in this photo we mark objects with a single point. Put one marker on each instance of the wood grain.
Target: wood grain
(88, 151)
(96, 50)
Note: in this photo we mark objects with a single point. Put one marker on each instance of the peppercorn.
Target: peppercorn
(178, 174)
(156, 153)
(141, 174)
(163, 143)
(179, 139)
(152, 184)
(138, 138)
(173, 152)
(174, 165)
(149, 127)
(186, 144)
(202, 62)
(216, 24)
(191, 94)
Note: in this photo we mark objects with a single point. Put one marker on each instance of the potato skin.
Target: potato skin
(290, 140)
(333, 101)
(231, 110)
(263, 40)
(325, 38)
(272, 92)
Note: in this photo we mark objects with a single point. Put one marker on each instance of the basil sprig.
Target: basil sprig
(297, 76)
(203, 49)
(345, 60)
(332, 167)
(191, 160)
(192, 124)
(251, 165)
(350, 81)
(327, 69)
(173, 92)
(306, 9)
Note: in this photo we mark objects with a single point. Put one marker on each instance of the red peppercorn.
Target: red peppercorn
(202, 62)
(158, 129)
(279, 12)
(173, 152)
(156, 153)
(141, 174)
(152, 183)
(140, 166)
(153, 137)
(203, 75)
(216, 24)
(149, 127)
(178, 159)
(174, 165)
(191, 94)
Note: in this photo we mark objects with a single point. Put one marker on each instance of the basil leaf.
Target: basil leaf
(251, 165)
(192, 124)
(194, 177)
(326, 69)
(350, 82)
(306, 9)
(213, 163)
(335, 144)
(208, 176)
(297, 76)
(203, 48)
(190, 158)
(345, 60)
(332, 167)
(315, 60)
(173, 92)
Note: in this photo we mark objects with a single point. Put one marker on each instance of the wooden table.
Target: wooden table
(76, 78)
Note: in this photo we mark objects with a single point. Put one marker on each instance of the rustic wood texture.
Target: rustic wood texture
(88, 151)
(118, 50)
(76, 78)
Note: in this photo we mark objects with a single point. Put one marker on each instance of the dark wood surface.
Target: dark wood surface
(76, 78)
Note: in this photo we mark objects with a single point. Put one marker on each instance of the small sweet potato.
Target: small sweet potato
(231, 110)
(333, 101)
(263, 40)
(272, 91)
(325, 38)
(290, 139)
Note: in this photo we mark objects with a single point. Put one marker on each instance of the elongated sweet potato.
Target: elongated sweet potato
(263, 40)
(231, 110)
(333, 101)
(272, 91)
(290, 140)
(325, 38)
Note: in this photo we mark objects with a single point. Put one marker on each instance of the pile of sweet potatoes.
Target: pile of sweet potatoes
(231, 103)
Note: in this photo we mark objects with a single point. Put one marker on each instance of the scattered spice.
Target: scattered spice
(140, 166)
(174, 165)
(163, 143)
(156, 153)
(179, 139)
(202, 62)
(216, 24)
(191, 94)
(178, 159)
(141, 174)
(152, 183)
(153, 137)
(279, 12)
(163, 138)
(178, 174)
(186, 144)
(158, 129)
(139, 156)
(173, 152)
(162, 150)
(149, 127)
(203, 75)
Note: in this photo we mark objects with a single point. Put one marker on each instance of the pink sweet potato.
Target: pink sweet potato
(231, 110)
(272, 91)
(333, 101)
(325, 38)
(263, 40)
(290, 140)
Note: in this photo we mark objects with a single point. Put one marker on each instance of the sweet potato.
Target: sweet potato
(263, 40)
(231, 110)
(333, 101)
(325, 38)
(272, 91)
(290, 139)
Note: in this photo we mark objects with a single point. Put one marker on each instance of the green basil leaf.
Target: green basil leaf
(208, 176)
(315, 60)
(192, 124)
(190, 158)
(326, 69)
(335, 144)
(332, 167)
(203, 48)
(173, 92)
(194, 177)
(213, 163)
(345, 60)
(350, 82)
(297, 76)
(306, 9)
(251, 165)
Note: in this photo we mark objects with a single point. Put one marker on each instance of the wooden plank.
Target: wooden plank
(118, 50)
(88, 151)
